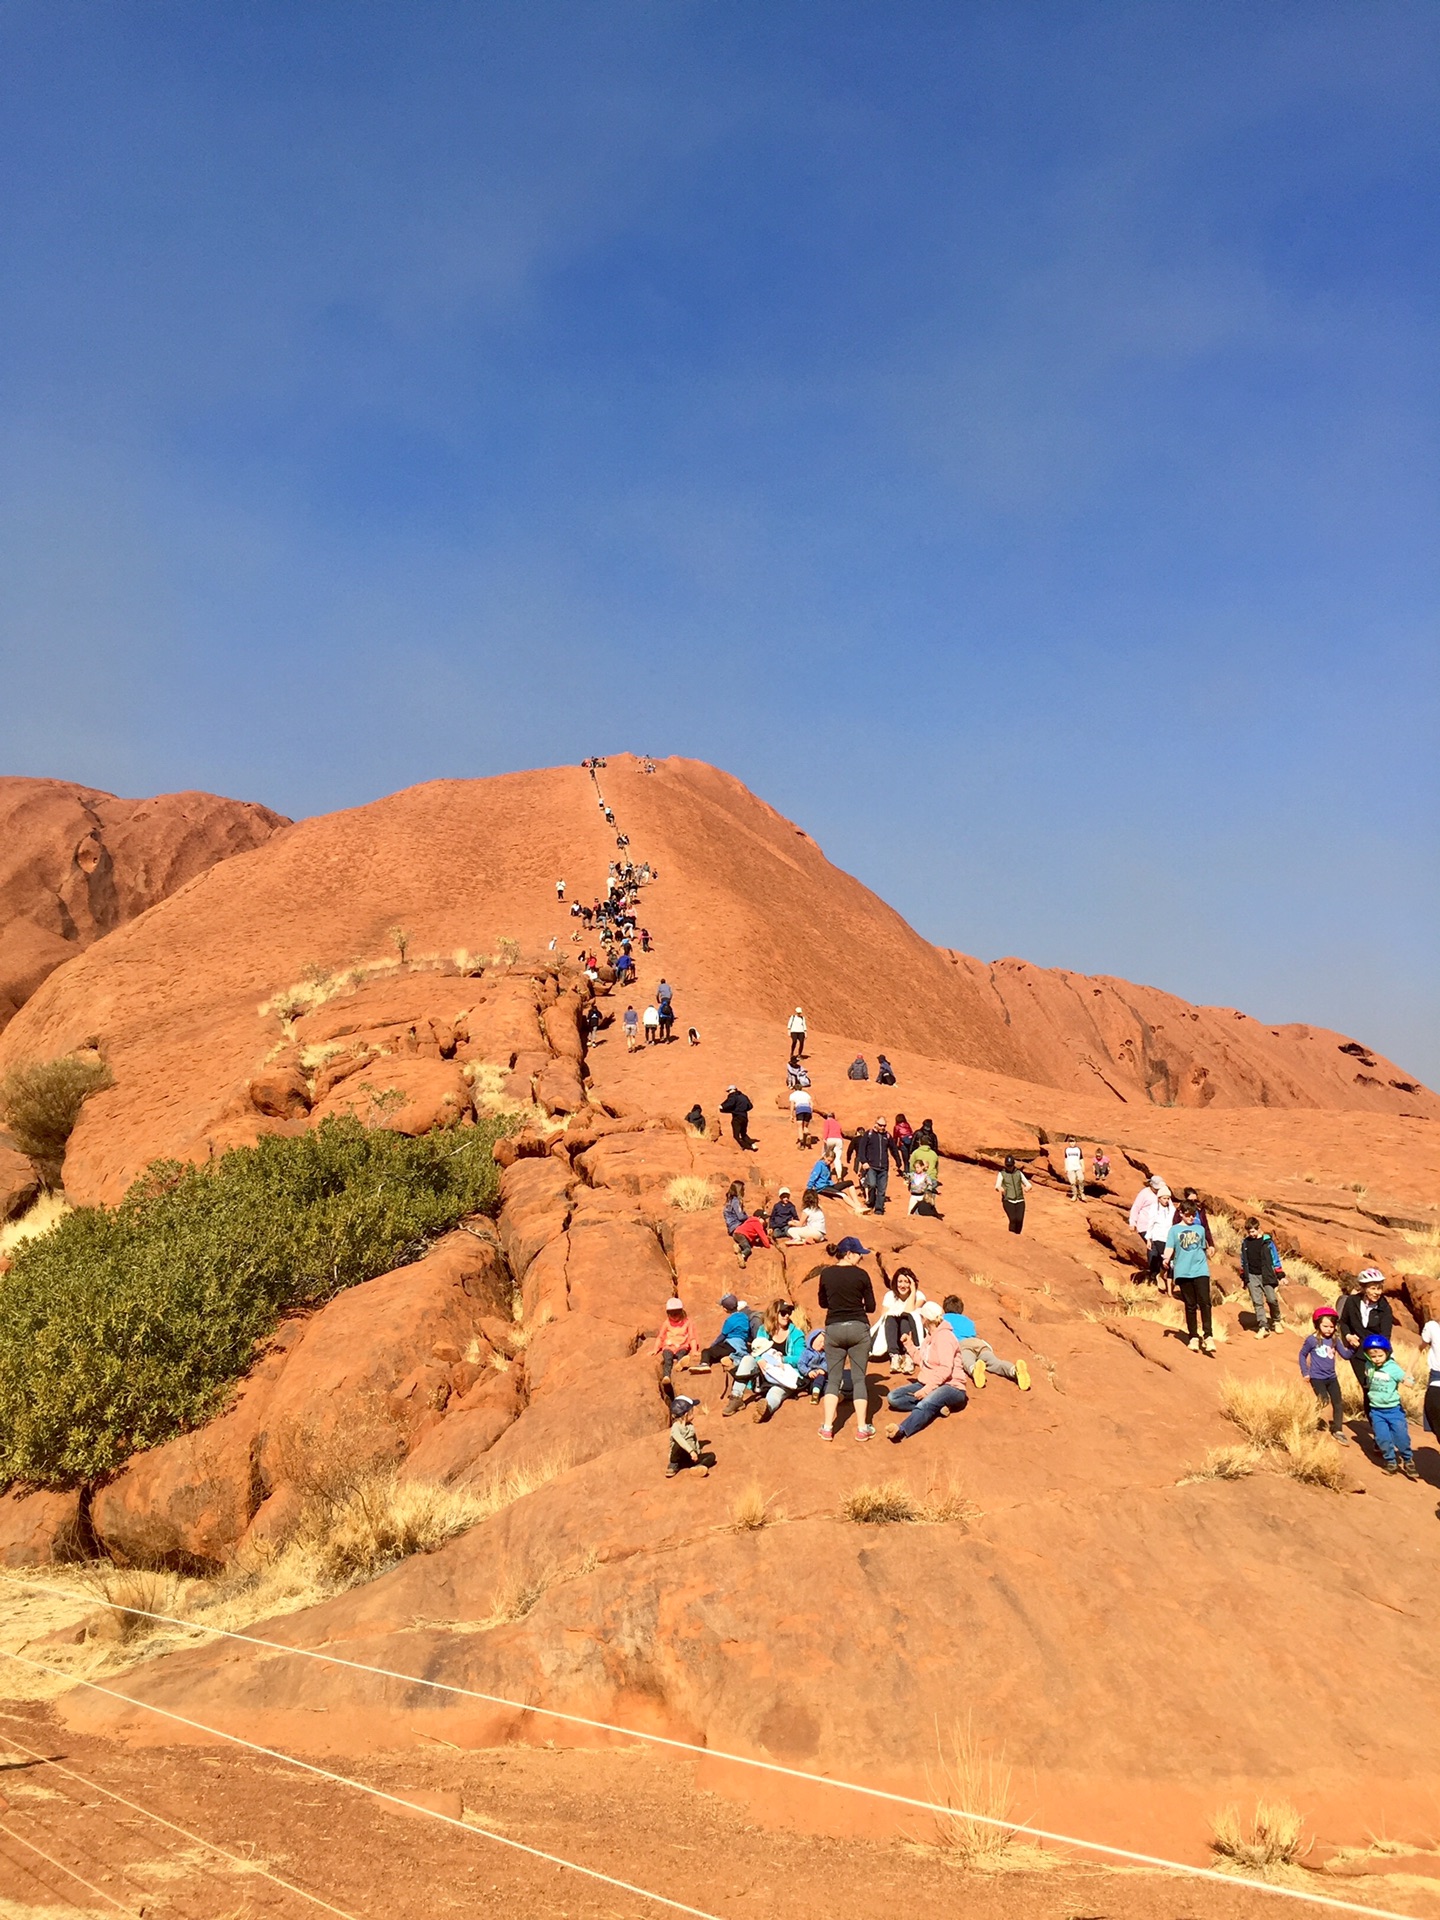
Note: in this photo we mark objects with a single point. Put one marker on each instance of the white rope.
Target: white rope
(362, 1786)
(735, 1759)
(99, 1892)
(198, 1840)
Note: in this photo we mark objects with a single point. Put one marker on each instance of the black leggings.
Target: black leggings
(1328, 1391)
(894, 1327)
(1196, 1295)
(1015, 1214)
(1432, 1409)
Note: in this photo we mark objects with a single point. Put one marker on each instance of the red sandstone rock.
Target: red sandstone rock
(75, 863)
(404, 1095)
(36, 1528)
(19, 1182)
(280, 1092)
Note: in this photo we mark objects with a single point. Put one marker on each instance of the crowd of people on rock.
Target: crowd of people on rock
(933, 1351)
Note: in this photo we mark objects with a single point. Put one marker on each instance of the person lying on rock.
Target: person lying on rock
(823, 1180)
(977, 1356)
(939, 1385)
(675, 1339)
(686, 1447)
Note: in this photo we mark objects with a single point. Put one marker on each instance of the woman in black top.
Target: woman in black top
(848, 1299)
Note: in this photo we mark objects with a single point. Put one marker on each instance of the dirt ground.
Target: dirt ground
(628, 1813)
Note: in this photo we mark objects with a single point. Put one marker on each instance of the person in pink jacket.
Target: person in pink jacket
(939, 1386)
(676, 1338)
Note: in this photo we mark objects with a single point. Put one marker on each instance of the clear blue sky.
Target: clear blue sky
(1004, 435)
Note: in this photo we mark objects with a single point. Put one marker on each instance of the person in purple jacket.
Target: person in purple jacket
(1319, 1352)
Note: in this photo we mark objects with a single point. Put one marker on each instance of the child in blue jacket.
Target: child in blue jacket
(1384, 1377)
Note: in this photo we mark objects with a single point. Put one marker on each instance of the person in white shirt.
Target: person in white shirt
(1430, 1339)
(802, 1107)
(812, 1220)
(1075, 1169)
(650, 1020)
(796, 1027)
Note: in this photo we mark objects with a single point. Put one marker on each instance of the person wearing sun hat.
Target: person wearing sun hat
(675, 1339)
(848, 1300)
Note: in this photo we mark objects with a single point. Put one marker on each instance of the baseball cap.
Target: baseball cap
(729, 1302)
(783, 1190)
(932, 1310)
(680, 1404)
(674, 1306)
(851, 1245)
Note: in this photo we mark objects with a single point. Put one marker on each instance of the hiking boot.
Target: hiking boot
(767, 1412)
(699, 1366)
(1391, 1466)
(731, 1408)
(667, 1389)
(979, 1374)
(892, 1433)
(1022, 1376)
(1193, 1343)
(1409, 1469)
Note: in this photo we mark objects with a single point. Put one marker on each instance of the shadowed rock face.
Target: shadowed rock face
(75, 864)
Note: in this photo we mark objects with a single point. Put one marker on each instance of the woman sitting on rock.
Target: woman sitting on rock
(899, 1322)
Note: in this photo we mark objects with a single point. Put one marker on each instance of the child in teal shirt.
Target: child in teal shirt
(1384, 1377)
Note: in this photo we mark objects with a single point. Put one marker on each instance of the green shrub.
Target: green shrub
(42, 1101)
(126, 1325)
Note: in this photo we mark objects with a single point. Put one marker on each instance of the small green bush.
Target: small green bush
(127, 1325)
(41, 1100)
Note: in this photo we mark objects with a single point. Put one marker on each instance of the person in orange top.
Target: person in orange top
(676, 1338)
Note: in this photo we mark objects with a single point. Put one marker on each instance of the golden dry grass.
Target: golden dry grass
(1223, 1463)
(981, 1832)
(690, 1193)
(750, 1510)
(1279, 1419)
(1274, 1838)
(1424, 1261)
(888, 1503)
(48, 1211)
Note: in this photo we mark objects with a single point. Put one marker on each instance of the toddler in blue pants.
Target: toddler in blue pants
(1384, 1378)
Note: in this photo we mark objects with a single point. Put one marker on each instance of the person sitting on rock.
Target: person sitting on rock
(810, 1229)
(977, 1355)
(939, 1385)
(884, 1072)
(857, 1069)
(784, 1215)
(796, 1075)
(686, 1447)
(921, 1190)
(674, 1340)
(696, 1118)
(1100, 1166)
(899, 1324)
(750, 1234)
(733, 1339)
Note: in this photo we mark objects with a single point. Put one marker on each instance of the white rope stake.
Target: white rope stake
(717, 1753)
(362, 1786)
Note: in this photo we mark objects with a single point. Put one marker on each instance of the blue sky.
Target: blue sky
(1005, 436)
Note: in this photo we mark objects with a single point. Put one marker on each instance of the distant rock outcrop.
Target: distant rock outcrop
(76, 863)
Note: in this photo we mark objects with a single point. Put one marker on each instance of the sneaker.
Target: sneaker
(1022, 1376)
(1207, 1345)
(1341, 1435)
(864, 1433)
(1193, 1343)
(702, 1366)
(1262, 1333)
(670, 1472)
(826, 1433)
(1392, 1466)
(1409, 1468)
(979, 1374)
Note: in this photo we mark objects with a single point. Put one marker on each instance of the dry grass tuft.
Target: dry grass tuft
(888, 1503)
(1223, 1463)
(380, 1521)
(750, 1510)
(980, 1833)
(1226, 1234)
(1266, 1411)
(132, 1594)
(1425, 1260)
(1275, 1838)
(468, 965)
(1279, 1418)
(516, 1595)
(690, 1192)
